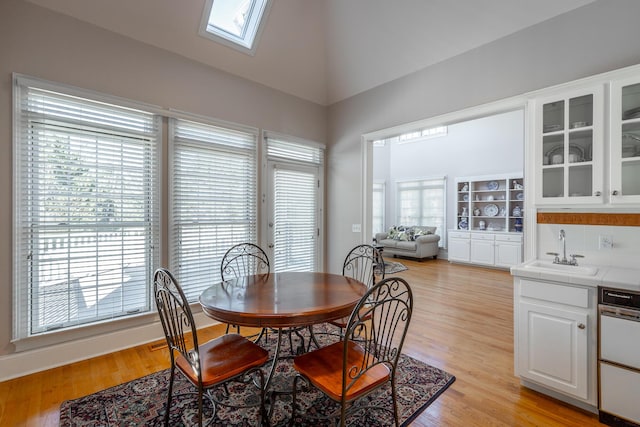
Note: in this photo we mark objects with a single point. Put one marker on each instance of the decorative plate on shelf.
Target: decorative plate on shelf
(493, 185)
(465, 198)
(463, 224)
(520, 196)
(490, 210)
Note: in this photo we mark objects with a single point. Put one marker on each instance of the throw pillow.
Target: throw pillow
(392, 233)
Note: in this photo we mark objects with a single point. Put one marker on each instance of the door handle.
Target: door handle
(581, 326)
(270, 245)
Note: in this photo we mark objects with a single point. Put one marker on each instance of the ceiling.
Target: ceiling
(324, 50)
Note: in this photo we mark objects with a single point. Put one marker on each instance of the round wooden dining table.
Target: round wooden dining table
(281, 300)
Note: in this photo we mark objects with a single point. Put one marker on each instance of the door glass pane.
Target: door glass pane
(553, 117)
(580, 146)
(580, 179)
(553, 149)
(631, 102)
(630, 140)
(631, 178)
(553, 182)
(581, 111)
(295, 220)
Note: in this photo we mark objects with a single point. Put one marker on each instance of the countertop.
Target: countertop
(614, 277)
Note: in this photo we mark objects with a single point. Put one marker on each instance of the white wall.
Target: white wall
(587, 41)
(583, 240)
(40, 43)
(485, 146)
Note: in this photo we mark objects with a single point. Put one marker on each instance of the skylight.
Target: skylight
(235, 23)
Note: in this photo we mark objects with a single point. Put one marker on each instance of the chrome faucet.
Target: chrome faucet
(562, 236)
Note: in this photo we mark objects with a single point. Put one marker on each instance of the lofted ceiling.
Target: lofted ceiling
(324, 50)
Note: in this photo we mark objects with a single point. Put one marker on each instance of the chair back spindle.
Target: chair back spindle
(364, 263)
(244, 259)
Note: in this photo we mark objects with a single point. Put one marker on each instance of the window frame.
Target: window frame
(22, 335)
(379, 187)
(421, 184)
(173, 245)
(320, 164)
(240, 44)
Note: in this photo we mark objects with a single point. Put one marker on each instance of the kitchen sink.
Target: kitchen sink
(562, 268)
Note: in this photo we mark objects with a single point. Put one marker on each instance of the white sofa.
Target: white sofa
(414, 241)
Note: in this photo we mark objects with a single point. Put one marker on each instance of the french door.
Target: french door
(294, 216)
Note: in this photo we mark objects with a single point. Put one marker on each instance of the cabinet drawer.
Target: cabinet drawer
(508, 237)
(568, 295)
(458, 235)
(482, 236)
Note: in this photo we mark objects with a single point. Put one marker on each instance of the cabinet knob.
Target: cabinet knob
(614, 192)
(581, 326)
(597, 194)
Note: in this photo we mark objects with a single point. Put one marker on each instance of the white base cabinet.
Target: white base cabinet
(482, 248)
(555, 337)
(508, 250)
(459, 248)
(485, 248)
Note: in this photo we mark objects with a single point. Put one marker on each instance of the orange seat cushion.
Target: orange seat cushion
(323, 368)
(223, 358)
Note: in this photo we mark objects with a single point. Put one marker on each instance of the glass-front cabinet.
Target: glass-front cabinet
(569, 147)
(625, 141)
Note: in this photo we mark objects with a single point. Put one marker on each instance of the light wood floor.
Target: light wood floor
(463, 323)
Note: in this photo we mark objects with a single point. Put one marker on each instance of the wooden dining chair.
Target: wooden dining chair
(367, 358)
(363, 263)
(229, 357)
(243, 259)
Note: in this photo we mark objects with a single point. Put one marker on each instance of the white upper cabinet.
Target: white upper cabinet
(569, 146)
(625, 141)
(585, 142)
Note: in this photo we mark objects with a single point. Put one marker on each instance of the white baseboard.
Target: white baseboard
(28, 362)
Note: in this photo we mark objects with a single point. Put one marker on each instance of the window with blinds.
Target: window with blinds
(422, 202)
(378, 202)
(86, 214)
(295, 179)
(213, 198)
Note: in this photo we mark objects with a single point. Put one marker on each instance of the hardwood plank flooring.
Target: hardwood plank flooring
(462, 323)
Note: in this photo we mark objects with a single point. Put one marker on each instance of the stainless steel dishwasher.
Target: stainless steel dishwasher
(619, 356)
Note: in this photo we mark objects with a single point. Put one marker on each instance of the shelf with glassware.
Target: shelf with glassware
(569, 147)
(491, 204)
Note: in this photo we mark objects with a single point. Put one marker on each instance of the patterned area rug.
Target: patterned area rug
(392, 267)
(141, 402)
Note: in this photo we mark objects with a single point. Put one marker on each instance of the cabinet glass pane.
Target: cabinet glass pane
(553, 117)
(553, 182)
(631, 102)
(553, 149)
(581, 111)
(630, 140)
(580, 143)
(580, 179)
(631, 178)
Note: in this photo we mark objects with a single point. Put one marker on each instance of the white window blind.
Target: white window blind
(378, 207)
(86, 222)
(213, 198)
(296, 181)
(422, 202)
